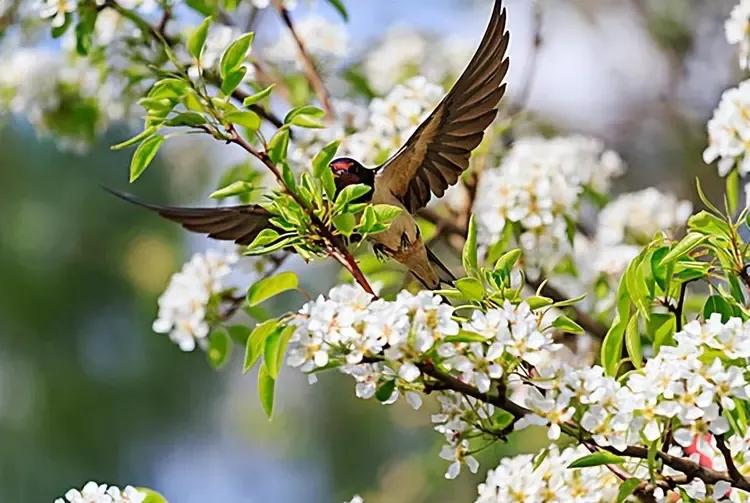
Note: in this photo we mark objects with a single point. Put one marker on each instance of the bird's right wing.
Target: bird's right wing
(240, 224)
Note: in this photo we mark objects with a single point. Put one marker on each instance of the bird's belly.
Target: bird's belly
(403, 229)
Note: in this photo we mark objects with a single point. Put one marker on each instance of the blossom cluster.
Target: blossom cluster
(93, 492)
(737, 29)
(685, 389)
(186, 303)
(379, 342)
(326, 41)
(538, 186)
(521, 479)
(729, 131)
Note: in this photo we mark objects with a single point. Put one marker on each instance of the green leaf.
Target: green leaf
(612, 345)
(279, 145)
(135, 139)
(536, 302)
(304, 111)
(567, 325)
(627, 488)
(266, 385)
(597, 459)
(349, 194)
(465, 336)
(633, 342)
(85, 28)
(717, 304)
(472, 288)
(385, 213)
(274, 350)
(59, 31)
(469, 255)
(385, 390)
(232, 80)
(705, 199)
(187, 119)
(685, 246)
(256, 342)
(259, 96)
(502, 419)
(706, 223)
(197, 39)
(270, 287)
(662, 328)
(235, 54)
(247, 119)
(151, 496)
(339, 6)
(733, 191)
(506, 263)
(143, 155)
(233, 189)
(345, 223)
(219, 348)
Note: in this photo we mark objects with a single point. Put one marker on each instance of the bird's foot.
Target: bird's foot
(405, 241)
(380, 252)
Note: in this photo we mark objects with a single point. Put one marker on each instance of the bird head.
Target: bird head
(347, 172)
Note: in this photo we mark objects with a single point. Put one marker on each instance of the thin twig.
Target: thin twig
(727, 454)
(311, 71)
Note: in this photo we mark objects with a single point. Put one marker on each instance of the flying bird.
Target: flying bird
(431, 160)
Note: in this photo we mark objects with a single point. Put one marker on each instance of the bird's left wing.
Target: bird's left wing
(240, 224)
(438, 152)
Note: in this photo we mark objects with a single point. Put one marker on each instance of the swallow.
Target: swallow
(430, 161)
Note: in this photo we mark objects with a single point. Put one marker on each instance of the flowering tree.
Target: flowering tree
(658, 292)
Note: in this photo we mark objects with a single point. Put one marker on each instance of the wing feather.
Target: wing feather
(439, 150)
(240, 224)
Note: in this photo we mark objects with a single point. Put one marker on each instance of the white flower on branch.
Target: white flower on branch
(96, 493)
(737, 29)
(57, 10)
(518, 479)
(184, 305)
(729, 131)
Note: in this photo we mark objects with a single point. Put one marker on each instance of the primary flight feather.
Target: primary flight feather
(429, 162)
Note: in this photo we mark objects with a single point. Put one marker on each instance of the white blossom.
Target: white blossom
(737, 29)
(183, 305)
(57, 10)
(729, 131)
(324, 40)
(93, 492)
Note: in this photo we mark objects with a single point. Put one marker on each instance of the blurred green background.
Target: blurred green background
(87, 391)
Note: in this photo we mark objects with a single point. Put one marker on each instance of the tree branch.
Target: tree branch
(311, 71)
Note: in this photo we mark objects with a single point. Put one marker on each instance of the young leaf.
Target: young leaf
(339, 6)
(469, 255)
(234, 55)
(232, 80)
(506, 263)
(597, 459)
(270, 287)
(256, 342)
(246, 119)
(385, 391)
(322, 171)
(304, 111)
(733, 191)
(219, 348)
(717, 304)
(385, 213)
(85, 28)
(197, 39)
(279, 145)
(345, 223)
(633, 342)
(472, 288)
(233, 189)
(275, 348)
(688, 244)
(151, 496)
(266, 385)
(186, 119)
(135, 139)
(259, 96)
(143, 155)
(349, 194)
(502, 419)
(567, 325)
(627, 488)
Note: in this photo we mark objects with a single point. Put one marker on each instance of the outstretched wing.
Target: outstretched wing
(240, 224)
(439, 150)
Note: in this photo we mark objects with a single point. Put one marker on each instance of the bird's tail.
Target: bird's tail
(445, 274)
